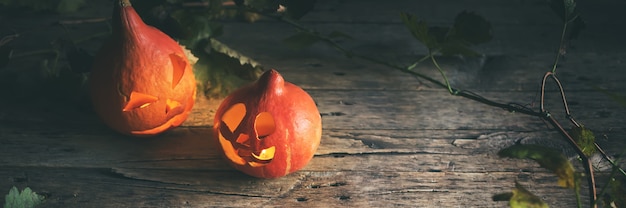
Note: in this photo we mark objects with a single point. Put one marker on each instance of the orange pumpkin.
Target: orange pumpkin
(141, 83)
(269, 128)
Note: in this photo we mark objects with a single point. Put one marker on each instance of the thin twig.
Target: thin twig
(443, 74)
(545, 115)
(584, 159)
(561, 45)
(606, 157)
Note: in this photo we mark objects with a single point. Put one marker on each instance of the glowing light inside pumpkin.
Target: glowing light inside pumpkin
(266, 154)
(233, 117)
(236, 143)
(178, 66)
(264, 125)
(170, 105)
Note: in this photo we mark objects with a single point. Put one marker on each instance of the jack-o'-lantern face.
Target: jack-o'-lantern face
(247, 148)
(141, 83)
(269, 128)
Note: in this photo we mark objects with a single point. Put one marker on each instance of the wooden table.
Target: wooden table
(389, 139)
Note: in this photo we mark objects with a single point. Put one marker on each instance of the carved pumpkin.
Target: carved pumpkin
(141, 83)
(269, 128)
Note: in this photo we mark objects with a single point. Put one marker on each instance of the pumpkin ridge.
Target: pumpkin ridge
(132, 85)
(281, 120)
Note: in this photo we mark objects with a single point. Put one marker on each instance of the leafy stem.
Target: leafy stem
(470, 29)
(429, 56)
(408, 69)
(443, 74)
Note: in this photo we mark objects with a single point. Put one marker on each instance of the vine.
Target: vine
(195, 25)
(470, 29)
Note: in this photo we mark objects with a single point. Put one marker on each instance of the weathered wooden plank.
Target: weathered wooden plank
(388, 138)
(368, 126)
(70, 187)
(365, 109)
(192, 148)
(436, 110)
(85, 187)
(413, 189)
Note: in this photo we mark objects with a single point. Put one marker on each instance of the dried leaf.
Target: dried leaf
(220, 70)
(220, 47)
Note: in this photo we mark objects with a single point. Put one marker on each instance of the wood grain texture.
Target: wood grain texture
(389, 139)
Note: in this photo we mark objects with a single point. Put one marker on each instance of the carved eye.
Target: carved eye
(139, 100)
(235, 140)
(141, 86)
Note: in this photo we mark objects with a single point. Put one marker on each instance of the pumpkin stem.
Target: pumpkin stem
(116, 20)
(272, 81)
(125, 3)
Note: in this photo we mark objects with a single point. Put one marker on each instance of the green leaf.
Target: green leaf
(301, 40)
(68, 6)
(457, 47)
(220, 47)
(222, 70)
(195, 27)
(565, 9)
(584, 139)
(523, 198)
(419, 29)
(548, 158)
(469, 29)
(26, 199)
(472, 28)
